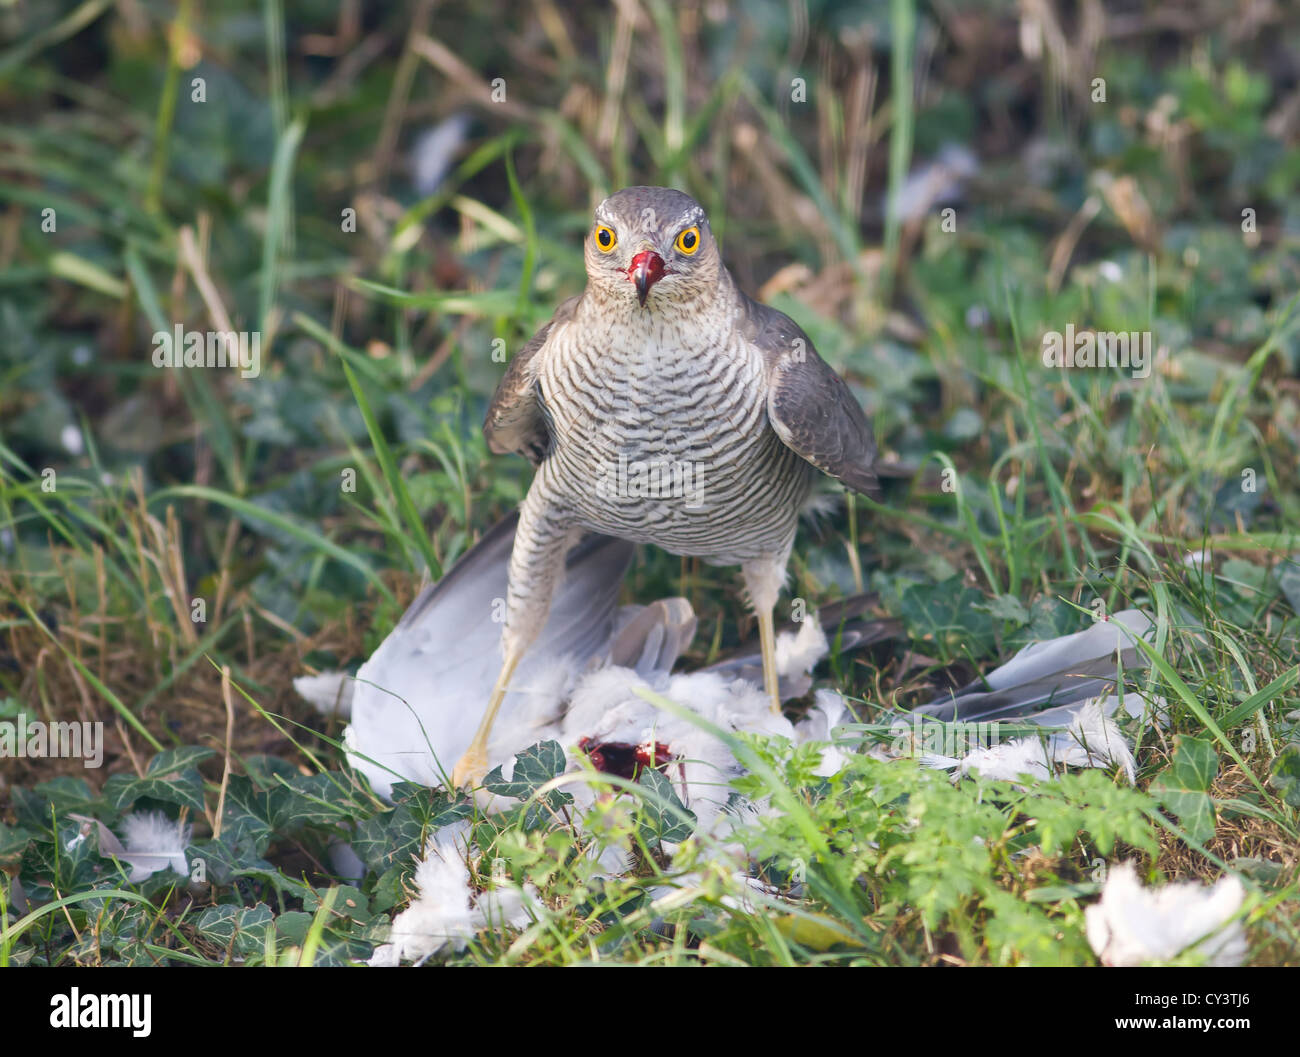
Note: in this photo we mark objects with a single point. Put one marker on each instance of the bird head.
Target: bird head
(652, 245)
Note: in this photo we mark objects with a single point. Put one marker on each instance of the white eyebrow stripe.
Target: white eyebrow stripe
(688, 219)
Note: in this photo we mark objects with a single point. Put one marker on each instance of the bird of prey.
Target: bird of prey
(664, 406)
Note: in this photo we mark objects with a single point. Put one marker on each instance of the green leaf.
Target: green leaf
(225, 862)
(279, 209)
(86, 273)
(1005, 607)
(245, 814)
(534, 767)
(293, 926)
(949, 616)
(350, 902)
(58, 796)
(13, 841)
(240, 930)
(387, 840)
(390, 888)
(173, 761)
(1287, 575)
(1285, 775)
(183, 788)
(448, 302)
(311, 800)
(662, 815)
(401, 495)
(1183, 787)
(1195, 763)
(335, 948)
(1195, 810)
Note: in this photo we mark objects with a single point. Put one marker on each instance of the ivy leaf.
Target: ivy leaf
(1285, 776)
(350, 903)
(946, 616)
(1195, 810)
(662, 816)
(435, 808)
(293, 925)
(1195, 763)
(534, 767)
(240, 930)
(390, 889)
(1184, 785)
(385, 839)
(1005, 607)
(223, 863)
(59, 796)
(312, 800)
(336, 947)
(244, 814)
(174, 761)
(184, 788)
(13, 841)
(266, 770)
(1287, 575)
(171, 777)
(1049, 618)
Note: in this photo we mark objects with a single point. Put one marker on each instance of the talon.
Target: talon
(470, 770)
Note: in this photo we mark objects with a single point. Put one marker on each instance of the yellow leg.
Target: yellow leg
(767, 641)
(472, 768)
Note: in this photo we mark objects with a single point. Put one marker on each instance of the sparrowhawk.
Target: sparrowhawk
(665, 406)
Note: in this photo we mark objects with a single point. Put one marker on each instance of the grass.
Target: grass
(303, 508)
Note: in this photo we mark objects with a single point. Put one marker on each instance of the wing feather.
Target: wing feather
(516, 420)
(810, 407)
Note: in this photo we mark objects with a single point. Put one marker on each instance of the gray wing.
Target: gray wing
(515, 421)
(808, 404)
(417, 700)
(457, 609)
(1059, 671)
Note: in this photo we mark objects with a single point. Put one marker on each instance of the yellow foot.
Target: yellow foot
(470, 769)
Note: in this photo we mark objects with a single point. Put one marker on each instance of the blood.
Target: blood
(624, 759)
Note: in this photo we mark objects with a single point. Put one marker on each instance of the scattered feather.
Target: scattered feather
(1132, 925)
(937, 182)
(435, 152)
(446, 912)
(153, 843)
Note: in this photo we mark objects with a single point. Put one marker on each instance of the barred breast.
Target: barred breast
(660, 435)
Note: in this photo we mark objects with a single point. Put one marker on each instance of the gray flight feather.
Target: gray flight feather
(809, 406)
(515, 419)
(447, 649)
(1060, 671)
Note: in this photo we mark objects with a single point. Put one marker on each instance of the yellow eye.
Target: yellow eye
(605, 238)
(689, 241)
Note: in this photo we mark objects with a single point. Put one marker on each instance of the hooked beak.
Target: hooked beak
(647, 269)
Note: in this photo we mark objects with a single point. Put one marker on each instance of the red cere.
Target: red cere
(649, 264)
